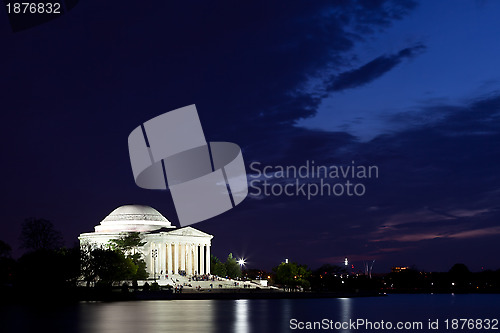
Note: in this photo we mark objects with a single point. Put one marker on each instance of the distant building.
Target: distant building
(168, 250)
(397, 269)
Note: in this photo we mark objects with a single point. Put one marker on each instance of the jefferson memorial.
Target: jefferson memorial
(168, 250)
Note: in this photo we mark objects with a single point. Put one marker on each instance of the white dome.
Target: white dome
(133, 218)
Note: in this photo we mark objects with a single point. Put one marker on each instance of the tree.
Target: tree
(111, 266)
(233, 269)
(87, 264)
(128, 245)
(106, 265)
(291, 275)
(217, 267)
(51, 269)
(4, 250)
(328, 269)
(70, 264)
(7, 264)
(328, 277)
(128, 242)
(459, 270)
(285, 273)
(39, 234)
(120, 261)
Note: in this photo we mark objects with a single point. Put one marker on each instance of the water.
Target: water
(246, 315)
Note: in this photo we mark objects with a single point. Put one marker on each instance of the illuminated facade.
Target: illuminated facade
(168, 250)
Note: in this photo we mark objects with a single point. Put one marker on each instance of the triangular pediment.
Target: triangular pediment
(189, 231)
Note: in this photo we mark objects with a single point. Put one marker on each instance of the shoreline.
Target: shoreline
(232, 295)
(76, 295)
(100, 295)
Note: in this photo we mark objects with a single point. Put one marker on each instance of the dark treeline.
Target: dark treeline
(332, 278)
(457, 280)
(46, 264)
(49, 270)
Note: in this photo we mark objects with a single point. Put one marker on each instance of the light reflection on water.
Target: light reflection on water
(241, 323)
(345, 310)
(148, 317)
(243, 316)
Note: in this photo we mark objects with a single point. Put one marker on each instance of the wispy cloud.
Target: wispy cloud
(476, 233)
(371, 70)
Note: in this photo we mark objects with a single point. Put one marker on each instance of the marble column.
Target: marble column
(202, 259)
(176, 258)
(207, 259)
(169, 259)
(195, 257)
(189, 249)
(183, 257)
(162, 253)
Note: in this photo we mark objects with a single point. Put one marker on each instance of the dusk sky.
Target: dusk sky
(412, 88)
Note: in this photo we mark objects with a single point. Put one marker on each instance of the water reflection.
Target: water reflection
(286, 311)
(148, 317)
(345, 311)
(238, 315)
(241, 323)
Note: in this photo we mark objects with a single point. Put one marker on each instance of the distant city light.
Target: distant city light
(346, 262)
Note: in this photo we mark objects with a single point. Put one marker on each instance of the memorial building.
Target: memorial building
(168, 250)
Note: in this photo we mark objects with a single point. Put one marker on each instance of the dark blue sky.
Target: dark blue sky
(411, 87)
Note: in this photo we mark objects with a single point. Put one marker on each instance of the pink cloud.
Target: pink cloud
(476, 233)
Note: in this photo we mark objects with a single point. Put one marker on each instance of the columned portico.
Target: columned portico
(191, 258)
(172, 257)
